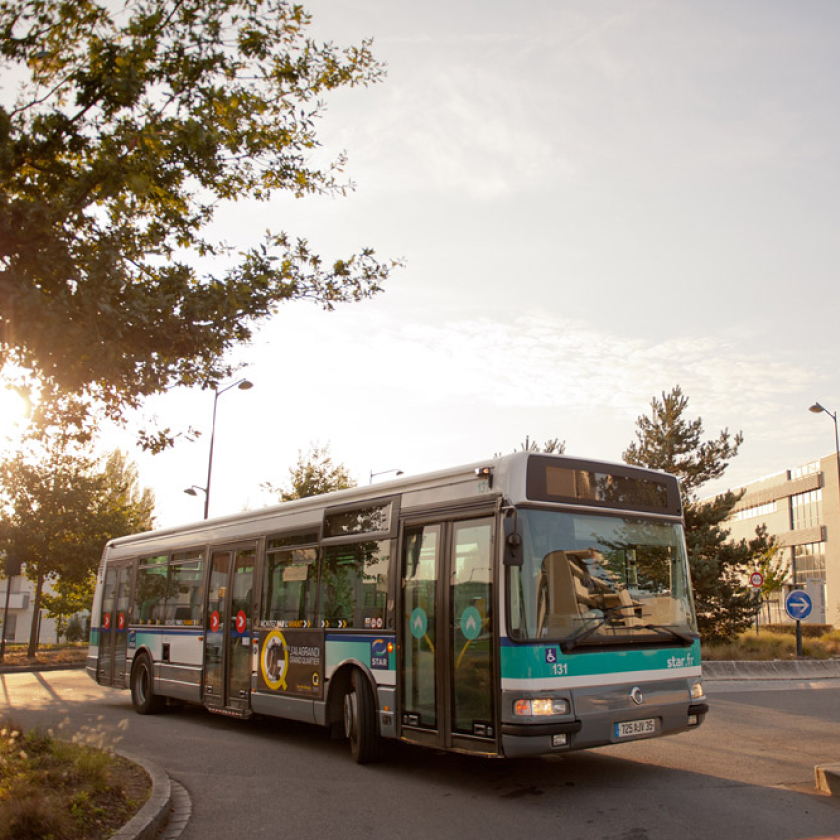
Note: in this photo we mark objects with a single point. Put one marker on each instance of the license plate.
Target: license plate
(634, 728)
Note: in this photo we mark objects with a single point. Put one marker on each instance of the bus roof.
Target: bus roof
(505, 475)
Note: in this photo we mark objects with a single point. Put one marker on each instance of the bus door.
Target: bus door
(113, 625)
(227, 630)
(447, 666)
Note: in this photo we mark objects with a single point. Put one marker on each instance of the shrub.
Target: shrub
(768, 645)
(809, 631)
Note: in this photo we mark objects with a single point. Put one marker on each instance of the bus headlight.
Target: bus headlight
(696, 690)
(540, 707)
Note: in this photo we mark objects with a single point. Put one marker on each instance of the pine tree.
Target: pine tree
(666, 440)
(553, 446)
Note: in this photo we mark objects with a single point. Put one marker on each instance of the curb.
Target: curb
(151, 818)
(20, 669)
(828, 778)
(777, 669)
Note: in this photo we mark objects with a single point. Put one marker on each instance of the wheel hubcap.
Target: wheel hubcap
(350, 715)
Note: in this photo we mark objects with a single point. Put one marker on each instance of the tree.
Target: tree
(133, 125)
(57, 513)
(667, 441)
(68, 599)
(553, 446)
(315, 473)
(774, 569)
(129, 509)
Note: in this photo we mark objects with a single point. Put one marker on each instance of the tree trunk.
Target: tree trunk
(35, 629)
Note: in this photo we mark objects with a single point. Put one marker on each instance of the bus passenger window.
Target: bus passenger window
(354, 585)
(289, 583)
(183, 603)
(150, 592)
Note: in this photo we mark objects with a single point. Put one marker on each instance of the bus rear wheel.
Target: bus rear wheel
(143, 696)
(360, 724)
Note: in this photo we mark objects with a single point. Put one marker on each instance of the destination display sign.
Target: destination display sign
(551, 480)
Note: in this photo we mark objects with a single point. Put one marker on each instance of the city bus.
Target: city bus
(528, 604)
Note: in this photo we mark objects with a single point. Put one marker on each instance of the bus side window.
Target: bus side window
(150, 591)
(289, 585)
(354, 585)
(183, 603)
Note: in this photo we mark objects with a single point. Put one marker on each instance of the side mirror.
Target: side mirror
(513, 542)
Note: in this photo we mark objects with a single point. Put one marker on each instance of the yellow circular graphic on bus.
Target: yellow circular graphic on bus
(275, 660)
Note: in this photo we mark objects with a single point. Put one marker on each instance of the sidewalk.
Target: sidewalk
(776, 669)
(826, 776)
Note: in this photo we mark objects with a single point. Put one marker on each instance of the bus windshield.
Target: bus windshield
(594, 580)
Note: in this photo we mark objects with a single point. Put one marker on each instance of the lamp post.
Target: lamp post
(819, 409)
(816, 408)
(243, 385)
(384, 472)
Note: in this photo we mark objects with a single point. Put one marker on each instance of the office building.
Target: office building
(801, 508)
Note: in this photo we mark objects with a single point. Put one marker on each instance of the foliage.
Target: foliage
(49, 788)
(67, 600)
(774, 569)
(75, 629)
(666, 440)
(315, 473)
(58, 510)
(49, 654)
(133, 124)
(809, 631)
(553, 446)
(774, 644)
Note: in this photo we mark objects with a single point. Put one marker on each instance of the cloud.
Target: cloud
(540, 362)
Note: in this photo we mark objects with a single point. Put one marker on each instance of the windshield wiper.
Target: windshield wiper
(582, 635)
(663, 628)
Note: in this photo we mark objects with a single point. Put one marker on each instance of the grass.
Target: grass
(767, 645)
(64, 654)
(54, 790)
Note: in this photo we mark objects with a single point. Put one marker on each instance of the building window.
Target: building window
(805, 469)
(756, 510)
(808, 562)
(806, 510)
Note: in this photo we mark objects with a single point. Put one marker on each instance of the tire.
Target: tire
(360, 721)
(143, 696)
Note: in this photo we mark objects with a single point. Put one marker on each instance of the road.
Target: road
(748, 772)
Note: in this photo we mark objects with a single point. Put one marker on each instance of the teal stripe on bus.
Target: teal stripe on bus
(547, 661)
(363, 649)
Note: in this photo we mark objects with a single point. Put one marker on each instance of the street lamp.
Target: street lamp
(819, 409)
(384, 472)
(243, 385)
(191, 491)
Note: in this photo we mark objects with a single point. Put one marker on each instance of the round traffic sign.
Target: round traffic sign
(241, 621)
(756, 580)
(798, 605)
(215, 621)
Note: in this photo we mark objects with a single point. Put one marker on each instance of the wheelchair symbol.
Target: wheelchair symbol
(551, 655)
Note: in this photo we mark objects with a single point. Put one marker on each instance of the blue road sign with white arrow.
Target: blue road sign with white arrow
(798, 605)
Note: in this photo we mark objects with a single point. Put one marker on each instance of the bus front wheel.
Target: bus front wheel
(143, 696)
(360, 721)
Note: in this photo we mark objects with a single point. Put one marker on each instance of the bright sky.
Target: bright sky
(595, 201)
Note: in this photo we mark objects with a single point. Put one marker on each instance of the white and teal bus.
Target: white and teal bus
(528, 604)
